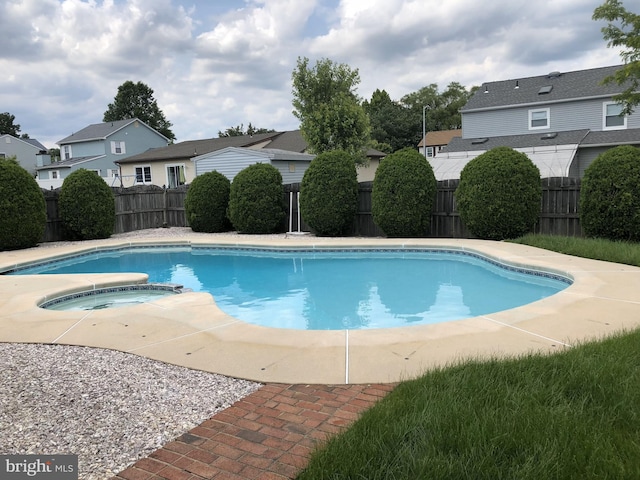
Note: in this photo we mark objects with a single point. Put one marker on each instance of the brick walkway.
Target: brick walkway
(267, 435)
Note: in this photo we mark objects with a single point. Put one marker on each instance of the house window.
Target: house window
(612, 118)
(175, 176)
(117, 148)
(429, 151)
(3, 155)
(539, 119)
(55, 175)
(66, 152)
(143, 175)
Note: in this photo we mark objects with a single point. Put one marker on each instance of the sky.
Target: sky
(215, 64)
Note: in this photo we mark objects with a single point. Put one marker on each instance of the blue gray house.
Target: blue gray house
(98, 147)
(29, 152)
(562, 121)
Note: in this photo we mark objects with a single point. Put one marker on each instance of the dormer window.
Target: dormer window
(539, 119)
(612, 118)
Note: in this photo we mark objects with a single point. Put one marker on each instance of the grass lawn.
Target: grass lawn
(570, 415)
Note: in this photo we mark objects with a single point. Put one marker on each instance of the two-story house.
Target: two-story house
(98, 147)
(562, 121)
(29, 152)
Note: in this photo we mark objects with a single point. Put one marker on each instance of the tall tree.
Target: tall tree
(135, 100)
(325, 101)
(7, 125)
(623, 30)
(391, 126)
(239, 130)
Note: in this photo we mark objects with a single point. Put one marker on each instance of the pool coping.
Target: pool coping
(189, 330)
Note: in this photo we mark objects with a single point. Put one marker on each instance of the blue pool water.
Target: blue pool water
(330, 290)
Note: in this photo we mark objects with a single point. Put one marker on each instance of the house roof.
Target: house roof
(192, 148)
(459, 144)
(31, 141)
(291, 141)
(441, 137)
(559, 86)
(69, 162)
(100, 131)
(270, 153)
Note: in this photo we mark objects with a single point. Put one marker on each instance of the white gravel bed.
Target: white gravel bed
(109, 408)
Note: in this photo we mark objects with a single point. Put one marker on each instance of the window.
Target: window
(143, 175)
(175, 176)
(117, 148)
(612, 120)
(3, 155)
(66, 152)
(429, 152)
(539, 119)
(54, 175)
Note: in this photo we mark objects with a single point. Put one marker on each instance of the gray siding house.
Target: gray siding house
(231, 160)
(98, 147)
(562, 121)
(29, 152)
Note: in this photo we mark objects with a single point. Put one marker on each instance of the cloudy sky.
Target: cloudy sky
(214, 64)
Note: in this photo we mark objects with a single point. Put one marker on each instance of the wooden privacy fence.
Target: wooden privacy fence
(142, 207)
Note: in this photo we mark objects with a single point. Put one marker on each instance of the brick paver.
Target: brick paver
(267, 435)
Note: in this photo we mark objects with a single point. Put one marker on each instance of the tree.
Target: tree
(7, 126)
(325, 102)
(390, 123)
(239, 130)
(625, 32)
(135, 100)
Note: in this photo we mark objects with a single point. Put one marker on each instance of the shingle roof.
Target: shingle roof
(572, 137)
(69, 162)
(191, 148)
(441, 137)
(35, 143)
(613, 137)
(564, 86)
(291, 141)
(100, 131)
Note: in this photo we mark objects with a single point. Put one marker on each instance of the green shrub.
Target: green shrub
(256, 199)
(329, 193)
(86, 206)
(404, 190)
(610, 195)
(23, 216)
(499, 194)
(206, 203)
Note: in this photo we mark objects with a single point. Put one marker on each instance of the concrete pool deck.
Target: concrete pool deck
(189, 330)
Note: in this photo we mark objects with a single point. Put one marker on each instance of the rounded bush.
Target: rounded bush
(329, 193)
(86, 206)
(499, 194)
(206, 203)
(404, 189)
(23, 216)
(256, 199)
(609, 196)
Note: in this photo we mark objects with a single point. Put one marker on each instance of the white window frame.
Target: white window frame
(532, 112)
(54, 174)
(66, 152)
(178, 182)
(118, 147)
(143, 174)
(430, 152)
(606, 115)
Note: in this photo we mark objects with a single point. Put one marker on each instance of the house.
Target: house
(97, 147)
(179, 164)
(433, 142)
(231, 160)
(29, 152)
(562, 121)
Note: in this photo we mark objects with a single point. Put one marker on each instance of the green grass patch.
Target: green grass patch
(571, 415)
(594, 248)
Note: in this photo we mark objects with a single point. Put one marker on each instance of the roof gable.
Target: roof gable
(32, 142)
(550, 88)
(101, 131)
(441, 137)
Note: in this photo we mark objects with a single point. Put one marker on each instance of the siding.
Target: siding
(228, 163)
(289, 177)
(584, 158)
(586, 114)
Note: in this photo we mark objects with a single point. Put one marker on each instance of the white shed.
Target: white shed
(231, 160)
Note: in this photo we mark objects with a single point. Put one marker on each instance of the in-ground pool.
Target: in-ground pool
(329, 289)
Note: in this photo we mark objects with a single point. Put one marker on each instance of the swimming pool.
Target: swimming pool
(330, 289)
